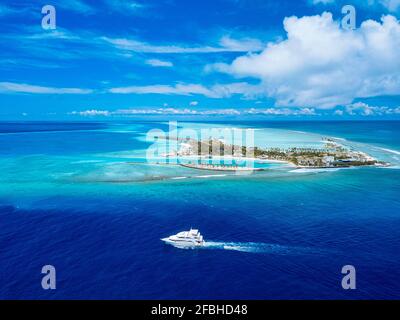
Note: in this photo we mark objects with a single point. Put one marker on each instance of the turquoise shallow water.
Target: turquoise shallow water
(80, 197)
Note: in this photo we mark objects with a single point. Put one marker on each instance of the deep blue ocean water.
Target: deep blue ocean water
(63, 202)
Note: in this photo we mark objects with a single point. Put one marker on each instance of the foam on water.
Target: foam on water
(390, 151)
(337, 138)
(211, 176)
(259, 247)
(390, 167)
(305, 170)
(86, 161)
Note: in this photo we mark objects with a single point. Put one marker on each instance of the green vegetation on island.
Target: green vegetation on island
(331, 155)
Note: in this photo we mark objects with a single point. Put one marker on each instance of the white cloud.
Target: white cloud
(91, 113)
(283, 111)
(356, 109)
(193, 103)
(321, 65)
(226, 44)
(179, 89)
(322, 1)
(188, 111)
(245, 89)
(390, 5)
(155, 111)
(361, 108)
(216, 91)
(124, 6)
(159, 63)
(11, 87)
(78, 6)
(240, 45)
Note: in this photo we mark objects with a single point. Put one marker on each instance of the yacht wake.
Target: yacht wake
(258, 247)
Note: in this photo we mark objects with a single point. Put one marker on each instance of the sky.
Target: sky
(190, 59)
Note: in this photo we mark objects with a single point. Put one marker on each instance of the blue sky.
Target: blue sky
(220, 59)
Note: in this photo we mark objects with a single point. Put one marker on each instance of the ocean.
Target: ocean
(79, 196)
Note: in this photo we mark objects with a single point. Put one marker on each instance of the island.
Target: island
(331, 155)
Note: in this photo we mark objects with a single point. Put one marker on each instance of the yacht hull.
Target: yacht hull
(183, 244)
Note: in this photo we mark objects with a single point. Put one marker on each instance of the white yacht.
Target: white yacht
(191, 238)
